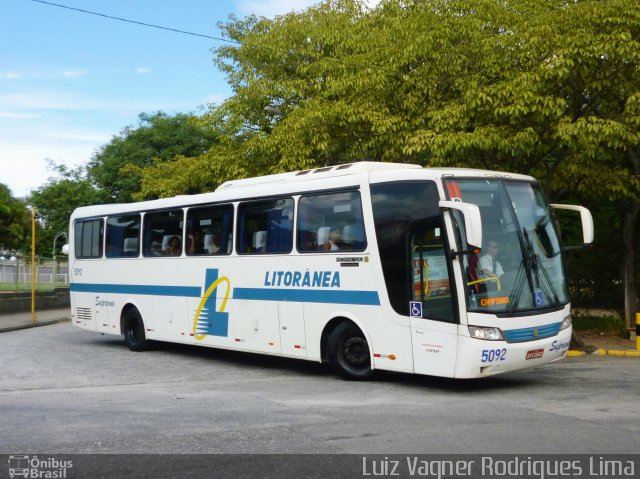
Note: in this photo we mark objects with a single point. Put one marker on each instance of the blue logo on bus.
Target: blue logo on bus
(208, 320)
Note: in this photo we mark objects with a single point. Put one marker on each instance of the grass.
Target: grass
(611, 324)
(11, 287)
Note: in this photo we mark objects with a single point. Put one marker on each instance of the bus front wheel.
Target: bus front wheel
(133, 329)
(348, 351)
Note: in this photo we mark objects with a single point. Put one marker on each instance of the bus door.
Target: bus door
(433, 326)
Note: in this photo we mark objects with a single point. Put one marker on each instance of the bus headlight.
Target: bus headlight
(566, 322)
(490, 334)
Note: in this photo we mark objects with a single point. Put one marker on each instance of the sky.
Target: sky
(70, 81)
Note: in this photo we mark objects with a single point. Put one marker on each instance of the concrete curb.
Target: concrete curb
(6, 329)
(605, 352)
(575, 354)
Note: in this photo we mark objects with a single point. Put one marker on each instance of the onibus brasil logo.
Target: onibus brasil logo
(208, 321)
(34, 467)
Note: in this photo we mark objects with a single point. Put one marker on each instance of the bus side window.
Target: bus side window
(331, 222)
(265, 226)
(209, 230)
(163, 233)
(88, 238)
(123, 233)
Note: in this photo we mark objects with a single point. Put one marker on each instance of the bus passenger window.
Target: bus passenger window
(88, 238)
(209, 230)
(265, 226)
(331, 222)
(163, 233)
(123, 236)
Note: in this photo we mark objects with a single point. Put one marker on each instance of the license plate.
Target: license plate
(534, 354)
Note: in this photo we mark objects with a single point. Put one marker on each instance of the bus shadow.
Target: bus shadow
(502, 382)
(242, 359)
(245, 359)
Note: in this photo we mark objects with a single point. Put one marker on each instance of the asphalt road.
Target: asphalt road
(64, 390)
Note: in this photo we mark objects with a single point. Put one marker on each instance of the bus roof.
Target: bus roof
(296, 181)
(316, 173)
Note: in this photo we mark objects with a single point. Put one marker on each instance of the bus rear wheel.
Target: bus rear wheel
(349, 354)
(133, 329)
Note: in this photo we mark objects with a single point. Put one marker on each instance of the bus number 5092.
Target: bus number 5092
(491, 355)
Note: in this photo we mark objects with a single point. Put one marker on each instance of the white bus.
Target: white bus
(365, 266)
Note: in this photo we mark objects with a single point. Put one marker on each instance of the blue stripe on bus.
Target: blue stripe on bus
(258, 294)
(529, 334)
(188, 291)
(308, 295)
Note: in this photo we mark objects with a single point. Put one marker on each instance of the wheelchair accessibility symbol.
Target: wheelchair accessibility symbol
(415, 308)
(538, 297)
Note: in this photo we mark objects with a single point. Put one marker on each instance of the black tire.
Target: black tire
(349, 354)
(133, 330)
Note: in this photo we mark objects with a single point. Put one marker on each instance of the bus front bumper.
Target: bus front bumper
(480, 358)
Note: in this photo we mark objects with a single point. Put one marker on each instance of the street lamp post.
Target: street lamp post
(14, 259)
(53, 254)
(33, 264)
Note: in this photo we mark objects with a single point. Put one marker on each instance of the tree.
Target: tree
(569, 112)
(15, 222)
(111, 175)
(229, 156)
(352, 84)
(65, 190)
(548, 88)
(158, 137)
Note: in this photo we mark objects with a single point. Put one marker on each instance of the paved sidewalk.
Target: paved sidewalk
(11, 322)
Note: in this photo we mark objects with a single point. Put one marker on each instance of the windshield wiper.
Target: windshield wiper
(517, 288)
(524, 272)
(537, 266)
(529, 269)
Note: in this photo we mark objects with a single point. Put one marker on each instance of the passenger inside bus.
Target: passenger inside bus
(196, 243)
(174, 247)
(333, 241)
(213, 243)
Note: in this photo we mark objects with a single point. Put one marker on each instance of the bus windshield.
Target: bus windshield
(520, 267)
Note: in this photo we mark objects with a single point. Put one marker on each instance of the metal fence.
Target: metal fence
(50, 273)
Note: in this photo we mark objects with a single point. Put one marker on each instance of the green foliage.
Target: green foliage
(157, 138)
(611, 324)
(15, 221)
(112, 175)
(595, 274)
(65, 190)
(549, 88)
(219, 160)
(546, 88)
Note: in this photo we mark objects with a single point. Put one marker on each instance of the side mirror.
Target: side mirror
(65, 250)
(587, 223)
(472, 220)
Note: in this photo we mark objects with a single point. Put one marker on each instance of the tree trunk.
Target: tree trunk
(629, 217)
